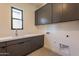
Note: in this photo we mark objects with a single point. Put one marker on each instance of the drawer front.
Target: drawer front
(13, 42)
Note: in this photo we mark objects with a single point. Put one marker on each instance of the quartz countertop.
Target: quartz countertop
(18, 37)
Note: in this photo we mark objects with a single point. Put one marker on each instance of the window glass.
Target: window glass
(16, 19)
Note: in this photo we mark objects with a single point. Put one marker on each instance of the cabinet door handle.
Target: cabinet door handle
(4, 46)
(20, 42)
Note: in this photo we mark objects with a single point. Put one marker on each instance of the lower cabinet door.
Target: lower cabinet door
(3, 52)
(26, 47)
(37, 42)
(20, 49)
(14, 50)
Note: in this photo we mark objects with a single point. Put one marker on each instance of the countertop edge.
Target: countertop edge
(4, 39)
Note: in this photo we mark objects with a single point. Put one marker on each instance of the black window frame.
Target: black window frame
(16, 19)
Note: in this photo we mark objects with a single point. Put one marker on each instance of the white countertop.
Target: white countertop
(18, 37)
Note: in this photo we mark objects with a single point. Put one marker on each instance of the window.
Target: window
(16, 19)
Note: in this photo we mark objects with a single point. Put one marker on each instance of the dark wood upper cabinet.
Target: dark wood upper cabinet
(56, 12)
(42, 15)
(70, 12)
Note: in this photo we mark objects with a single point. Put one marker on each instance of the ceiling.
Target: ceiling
(37, 4)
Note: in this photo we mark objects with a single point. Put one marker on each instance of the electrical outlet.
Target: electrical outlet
(63, 45)
(47, 32)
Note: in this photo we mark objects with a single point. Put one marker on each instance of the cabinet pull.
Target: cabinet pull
(4, 46)
(20, 42)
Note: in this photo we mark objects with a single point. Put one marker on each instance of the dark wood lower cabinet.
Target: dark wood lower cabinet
(19, 49)
(22, 46)
(3, 52)
(13, 50)
(3, 49)
(36, 42)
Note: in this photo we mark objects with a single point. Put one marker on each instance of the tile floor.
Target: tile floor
(43, 52)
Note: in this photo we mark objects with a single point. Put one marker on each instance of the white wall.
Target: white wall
(58, 34)
(28, 17)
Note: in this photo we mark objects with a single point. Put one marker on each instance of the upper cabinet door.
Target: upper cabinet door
(56, 12)
(70, 11)
(42, 15)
